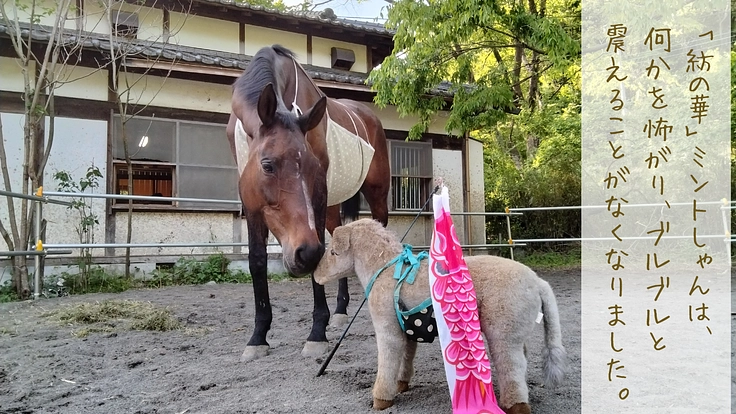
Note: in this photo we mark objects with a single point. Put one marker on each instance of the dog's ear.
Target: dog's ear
(340, 240)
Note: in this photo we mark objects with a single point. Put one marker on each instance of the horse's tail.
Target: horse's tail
(554, 353)
(351, 208)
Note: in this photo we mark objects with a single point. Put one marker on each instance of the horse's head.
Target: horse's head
(283, 182)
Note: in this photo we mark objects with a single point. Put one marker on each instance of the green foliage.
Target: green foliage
(186, 271)
(497, 58)
(8, 293)
(549, 176)
(86, 219)
(467, 47)
(96, 280)
(551, 259)
(189, 271)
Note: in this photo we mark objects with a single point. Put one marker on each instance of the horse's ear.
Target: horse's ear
(313, 116)
(340, 240)
(267, 105)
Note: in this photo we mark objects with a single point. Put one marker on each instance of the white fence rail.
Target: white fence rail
(40, 250)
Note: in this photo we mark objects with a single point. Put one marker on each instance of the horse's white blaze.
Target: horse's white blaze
(299, 165)
(310, 209)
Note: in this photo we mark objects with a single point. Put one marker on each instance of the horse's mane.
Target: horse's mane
(259, 73)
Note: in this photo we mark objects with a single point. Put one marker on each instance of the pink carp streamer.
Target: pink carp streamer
(467, 366)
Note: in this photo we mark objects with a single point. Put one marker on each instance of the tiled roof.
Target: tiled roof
(170, 52)
(326, 16)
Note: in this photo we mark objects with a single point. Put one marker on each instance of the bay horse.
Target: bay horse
(283, 159)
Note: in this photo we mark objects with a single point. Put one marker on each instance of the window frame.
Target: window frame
(121, 166)
(429, 146)
(423, 177)
(175, 165)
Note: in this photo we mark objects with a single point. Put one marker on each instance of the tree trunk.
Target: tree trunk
(20, 277)
(516, 86)
(534, 98)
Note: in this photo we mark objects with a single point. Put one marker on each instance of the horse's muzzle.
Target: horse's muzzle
(306, 258)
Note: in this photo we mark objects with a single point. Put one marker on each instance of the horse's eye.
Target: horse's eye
(267, 166)
(332, 252)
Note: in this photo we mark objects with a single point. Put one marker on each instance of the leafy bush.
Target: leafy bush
(8, 293)
(552, 259)
(188, 271)
(96, 280)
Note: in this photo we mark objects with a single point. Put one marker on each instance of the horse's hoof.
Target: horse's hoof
(519, 408)
(339, 320)
(381, 404)
(254, 352)
(315, 349)
(403, 386)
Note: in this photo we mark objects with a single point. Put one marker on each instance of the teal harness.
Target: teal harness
(401, 275)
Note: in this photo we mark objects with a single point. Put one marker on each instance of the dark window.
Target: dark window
(148, 180)
(124, 24)
(411, 174)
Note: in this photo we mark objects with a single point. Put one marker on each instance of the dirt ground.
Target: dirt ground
(45, 369)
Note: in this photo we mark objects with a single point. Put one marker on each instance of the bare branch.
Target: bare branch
(15, 37)
(8, 187)
(51, 110)
(48, 64)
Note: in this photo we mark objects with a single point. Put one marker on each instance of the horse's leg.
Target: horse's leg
(340, 317)
(258, 263)
(407, 366)
(317, 344)
(317, 341)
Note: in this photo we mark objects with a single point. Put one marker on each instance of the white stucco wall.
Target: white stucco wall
(177, 93)
(391, 119)
(78, 144)
(205, 33)
(74, 81)
(258, 37)
(448, 164)
(322, 53)
(476, 181)
(173, 227)
(12, 77)
(80, 82)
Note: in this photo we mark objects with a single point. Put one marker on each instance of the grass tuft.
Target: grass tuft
(113, 315)
(551, 259)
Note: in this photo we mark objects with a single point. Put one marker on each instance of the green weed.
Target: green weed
(8, 293)
(97, 280)
(188, 271)
(551, 259)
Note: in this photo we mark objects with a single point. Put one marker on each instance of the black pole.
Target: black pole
(339, 341)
